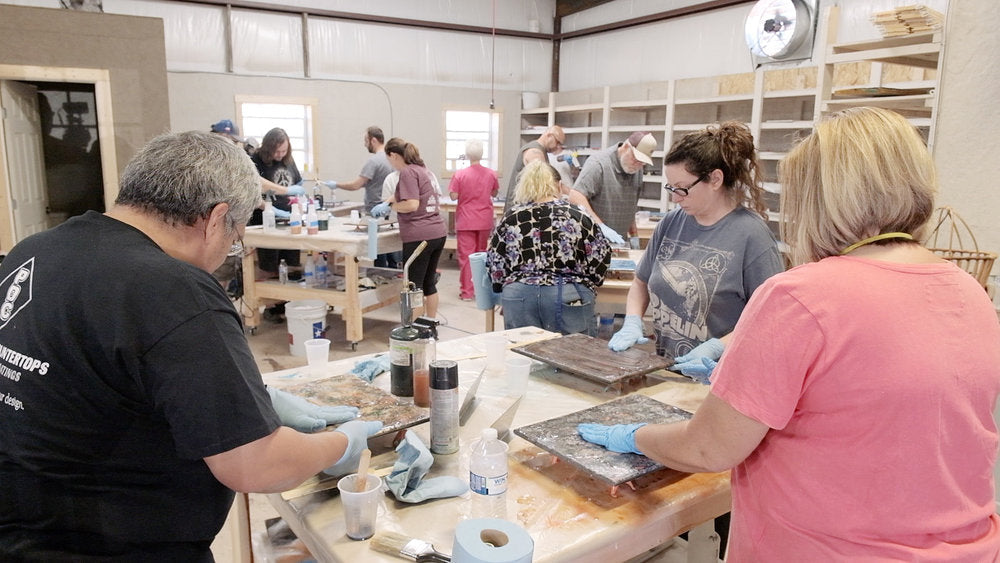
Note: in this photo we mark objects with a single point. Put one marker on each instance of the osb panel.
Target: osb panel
(852, 74)
(901, 73)
(731, 84)
(790, 79)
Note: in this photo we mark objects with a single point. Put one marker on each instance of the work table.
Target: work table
(570, 515)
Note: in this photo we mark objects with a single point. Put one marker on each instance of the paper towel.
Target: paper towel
(372, 238)
(485, 298)
(491, 540)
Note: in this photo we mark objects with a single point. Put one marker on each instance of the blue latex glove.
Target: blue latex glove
(298, 413)
(380, 210)
(281, 214)
(407, 482)
(617, 438)
(357, 432)
(612, 235)
(330, 184)
(629, 335)
(296, 189)
(699, 370)
(711, 349)
(368, 369)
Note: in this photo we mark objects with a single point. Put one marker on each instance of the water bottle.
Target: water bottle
(283, 271)
(322, 271)
(488, 476)
(270, 224)
(309, 271)
(295, 219)
(606, 328)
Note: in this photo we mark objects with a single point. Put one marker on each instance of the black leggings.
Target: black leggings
(423, 270)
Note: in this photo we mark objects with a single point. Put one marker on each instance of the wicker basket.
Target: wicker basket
(949, 226)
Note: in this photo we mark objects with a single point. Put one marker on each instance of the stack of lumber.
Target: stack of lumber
(905, 20)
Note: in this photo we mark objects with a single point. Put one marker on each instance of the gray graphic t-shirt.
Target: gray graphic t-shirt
(700, 278)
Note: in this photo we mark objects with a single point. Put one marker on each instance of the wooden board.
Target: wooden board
(560, 437)
(374, 403)
(590, 358)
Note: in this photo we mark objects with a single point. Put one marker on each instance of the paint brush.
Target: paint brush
(361, 480)
(407, 548)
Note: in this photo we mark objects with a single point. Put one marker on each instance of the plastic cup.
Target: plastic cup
(317, 352)
(360, 509)
(355, 215)
(517, 369)
(496, 351)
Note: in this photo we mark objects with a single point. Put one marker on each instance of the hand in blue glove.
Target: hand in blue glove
(380, 210)
(699, 370)
(612, 235)
(629, 335)
(296, 189)
(617, 438)
(281, 214)
(357, 432)
(711, 349)
(330, 184)
(298, 413)
(368, 369)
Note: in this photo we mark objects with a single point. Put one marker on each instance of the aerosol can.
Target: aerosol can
(407, 343)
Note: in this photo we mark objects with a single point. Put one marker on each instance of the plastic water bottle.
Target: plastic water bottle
(309, 271)
(270, 224)
(322, 271)
(606, 328)
(488, 476)
(283, 271)
(295, 219)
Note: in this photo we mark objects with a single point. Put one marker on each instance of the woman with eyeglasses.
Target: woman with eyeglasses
(706, 256)
(855, 400)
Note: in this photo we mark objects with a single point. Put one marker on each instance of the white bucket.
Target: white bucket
(306, 320)
(530, 100)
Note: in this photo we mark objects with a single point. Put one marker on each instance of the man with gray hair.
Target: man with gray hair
(610, 182)
(113, 327)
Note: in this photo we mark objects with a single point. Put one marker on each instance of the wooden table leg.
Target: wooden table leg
(252, 319)
(352, 311)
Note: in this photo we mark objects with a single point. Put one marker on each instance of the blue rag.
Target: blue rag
(368, 369)
(407, 483)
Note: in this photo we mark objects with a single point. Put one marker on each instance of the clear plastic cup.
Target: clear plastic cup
(317, 352)
(360, 508)
(517, 368)
(496, 351)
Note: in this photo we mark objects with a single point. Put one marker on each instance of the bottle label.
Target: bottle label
(488, 485)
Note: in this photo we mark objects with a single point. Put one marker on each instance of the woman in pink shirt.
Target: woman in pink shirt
(474, 189)
(855, 400)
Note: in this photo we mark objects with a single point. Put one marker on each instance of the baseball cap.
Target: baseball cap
(227, 127)
(643, 145)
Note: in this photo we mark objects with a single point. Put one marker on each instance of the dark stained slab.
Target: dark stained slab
(559, 437)
(590, 358)
(374, 403)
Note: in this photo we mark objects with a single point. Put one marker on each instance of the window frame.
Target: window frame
(492, 143)
(307, 164)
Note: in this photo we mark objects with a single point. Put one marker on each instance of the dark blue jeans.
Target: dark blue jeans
(542, 306)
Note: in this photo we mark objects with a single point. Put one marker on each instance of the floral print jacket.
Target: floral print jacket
(547, 243)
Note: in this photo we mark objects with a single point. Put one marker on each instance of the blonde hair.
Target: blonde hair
(860, 173)
(536, 182)
(474, 149)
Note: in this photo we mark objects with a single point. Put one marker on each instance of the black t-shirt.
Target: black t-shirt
(280, 174)
(121, 368)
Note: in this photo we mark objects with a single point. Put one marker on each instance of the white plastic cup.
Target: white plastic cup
(517, 368)
(355, 215)
(360, 509)
(317, 352)
(496, 351)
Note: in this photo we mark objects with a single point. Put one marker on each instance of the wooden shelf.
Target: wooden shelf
(918, 50)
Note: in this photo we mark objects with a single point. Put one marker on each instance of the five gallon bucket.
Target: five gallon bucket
(306, 320)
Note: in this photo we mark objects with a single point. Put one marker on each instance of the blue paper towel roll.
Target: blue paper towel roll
(491, 540)
(485, 298)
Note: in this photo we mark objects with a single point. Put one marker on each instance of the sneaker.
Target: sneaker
(466, 298)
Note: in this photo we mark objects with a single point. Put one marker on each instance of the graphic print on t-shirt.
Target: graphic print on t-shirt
(684, 278)
(16, 289)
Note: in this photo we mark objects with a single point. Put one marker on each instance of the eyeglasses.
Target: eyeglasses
(682, 191)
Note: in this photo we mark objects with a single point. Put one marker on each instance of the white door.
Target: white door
(25, 162)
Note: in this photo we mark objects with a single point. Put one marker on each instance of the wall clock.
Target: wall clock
(781, 30)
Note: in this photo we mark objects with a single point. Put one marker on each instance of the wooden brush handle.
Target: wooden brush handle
(361, 481)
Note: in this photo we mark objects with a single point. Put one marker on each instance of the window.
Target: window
(257, 116)
(460, 126)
